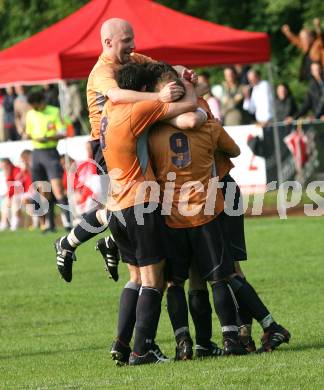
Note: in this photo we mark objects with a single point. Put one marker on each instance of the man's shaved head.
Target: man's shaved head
(112, 27)
(117, 39)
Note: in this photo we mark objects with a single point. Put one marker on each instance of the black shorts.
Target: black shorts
(98, 157)
(205, 244)
(139, 245)
(46, 165)
(233, 226)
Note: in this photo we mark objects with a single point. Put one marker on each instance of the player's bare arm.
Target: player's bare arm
(171, 92)
(189, 120)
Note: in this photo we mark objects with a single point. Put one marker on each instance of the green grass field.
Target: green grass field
(55, 335)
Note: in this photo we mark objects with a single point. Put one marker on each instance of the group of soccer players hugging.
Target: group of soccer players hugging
(169, 165)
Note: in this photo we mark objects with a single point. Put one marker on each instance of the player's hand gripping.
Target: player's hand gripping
(190, 75)
(171, 92)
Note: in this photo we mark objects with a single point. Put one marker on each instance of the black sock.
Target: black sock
(84, 231)
(225, 308)
(51, 215)
(249, 300)
(201, 314)
(244, 317)
(178, 312)
(65, 211)
(127, 312)
(147, 317)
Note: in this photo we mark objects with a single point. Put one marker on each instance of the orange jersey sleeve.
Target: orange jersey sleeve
(222, 142)
(145, 113)
(104, 79)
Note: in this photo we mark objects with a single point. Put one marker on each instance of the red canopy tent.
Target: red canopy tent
(68, 49)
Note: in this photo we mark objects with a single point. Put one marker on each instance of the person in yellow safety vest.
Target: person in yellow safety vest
(45, 128)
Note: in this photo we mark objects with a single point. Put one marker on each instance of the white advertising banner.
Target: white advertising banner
(249, 171)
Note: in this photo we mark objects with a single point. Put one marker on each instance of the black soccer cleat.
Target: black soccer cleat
(210, 350)
(233, 347)
(273, 338)
(120, 353)
(153, 356)
(184, 350)
(248, 343)
(64, 260)
(110, 254)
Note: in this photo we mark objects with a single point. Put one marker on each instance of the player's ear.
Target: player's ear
(108, 42)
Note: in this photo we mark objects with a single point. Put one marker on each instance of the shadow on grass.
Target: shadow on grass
(304, 347)
(52, 352)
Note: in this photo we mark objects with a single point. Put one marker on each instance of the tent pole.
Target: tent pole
(62, 93)
(276, 137)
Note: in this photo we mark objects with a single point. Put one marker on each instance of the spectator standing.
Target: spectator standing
(9, 115)
(10, 210)
(44, 126)
(314, 93)
(213, 102)
(74, 107)
(285, 102)
(21, 107)
(29, 193)
(241, 72)
(51, 95)
(310, 43)
(2, 132)
(258, 98)
(231, 99)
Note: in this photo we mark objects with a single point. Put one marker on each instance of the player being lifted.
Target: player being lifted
(117, 39)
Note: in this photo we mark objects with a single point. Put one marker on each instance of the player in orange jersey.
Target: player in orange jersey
(136, 222)
(186, 158)
(117, 39)
(186, 155)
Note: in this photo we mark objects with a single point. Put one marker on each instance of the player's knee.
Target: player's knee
(134, 274)
(153, 275)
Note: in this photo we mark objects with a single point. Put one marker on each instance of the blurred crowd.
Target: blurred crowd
(23, 204)
(245, 97)
(14, 107)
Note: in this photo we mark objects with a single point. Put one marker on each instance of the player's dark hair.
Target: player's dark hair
(162, 73)
(132, 76)
(36, 97)
(158, 68)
